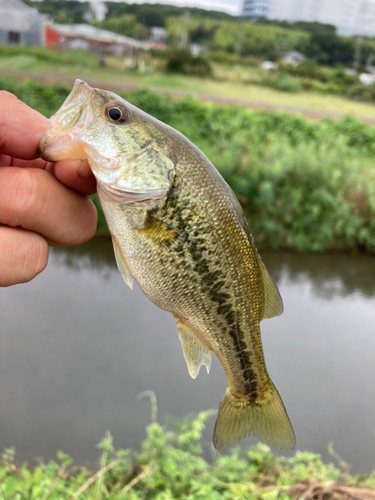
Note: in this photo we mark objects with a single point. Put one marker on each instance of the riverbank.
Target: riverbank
(304, 186)
(311, 105)
(171, 466)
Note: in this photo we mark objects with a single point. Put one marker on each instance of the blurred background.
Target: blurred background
(280, 96)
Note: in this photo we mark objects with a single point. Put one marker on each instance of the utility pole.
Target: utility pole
(185, 28)
(357, 53)
(370, 60)
(239, 44)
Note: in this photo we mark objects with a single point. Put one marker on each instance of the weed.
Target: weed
(304, 186)
(171, 466)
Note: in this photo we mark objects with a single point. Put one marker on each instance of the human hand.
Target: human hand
(41, 203)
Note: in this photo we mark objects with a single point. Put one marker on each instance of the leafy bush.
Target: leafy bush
(258, 40)
(171, 466)
(125, 24)
(180, 60)
(222, 57)
(303, 185)
(284, 82)
(323, 79)
(362, 92)
(308, 69)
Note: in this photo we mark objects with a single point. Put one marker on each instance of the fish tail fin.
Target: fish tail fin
(265, 418)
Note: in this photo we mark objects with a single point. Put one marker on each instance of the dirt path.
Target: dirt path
(307, 113)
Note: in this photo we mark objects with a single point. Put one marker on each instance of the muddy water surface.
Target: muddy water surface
(77, 346)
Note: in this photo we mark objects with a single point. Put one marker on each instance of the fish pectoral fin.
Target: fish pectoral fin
(122, 264)
(273, 303)
(160, 232)
(196, 354)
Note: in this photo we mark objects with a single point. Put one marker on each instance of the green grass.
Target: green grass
(171, 466)
(304, 186)
(80, 68)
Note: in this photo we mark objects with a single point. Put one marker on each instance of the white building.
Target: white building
(91, 38)
(255, 8)
(349, 16)
(20, 24)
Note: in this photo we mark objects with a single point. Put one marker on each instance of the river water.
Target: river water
(77, 346)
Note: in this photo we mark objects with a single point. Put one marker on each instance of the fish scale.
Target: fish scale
(179, 231)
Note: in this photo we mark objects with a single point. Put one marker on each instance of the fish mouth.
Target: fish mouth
(60, 141)
(56, 147)
(113, 194)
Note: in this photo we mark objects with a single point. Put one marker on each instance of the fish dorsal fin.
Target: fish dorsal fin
(122, 264)
(195, 353)
(273, 303)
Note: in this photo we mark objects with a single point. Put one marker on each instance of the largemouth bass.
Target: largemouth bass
(180, 232)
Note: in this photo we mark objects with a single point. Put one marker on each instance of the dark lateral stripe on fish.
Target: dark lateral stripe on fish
(214, 282)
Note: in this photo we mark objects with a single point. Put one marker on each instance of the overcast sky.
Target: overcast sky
(232, 7)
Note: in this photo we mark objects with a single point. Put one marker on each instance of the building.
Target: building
(350, 17)
(293, 58)
(255, 8)
(96, 40)
(22, 25)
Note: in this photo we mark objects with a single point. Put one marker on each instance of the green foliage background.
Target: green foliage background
(261, 40)
(171, 466)
(304, 186)
(125, 24)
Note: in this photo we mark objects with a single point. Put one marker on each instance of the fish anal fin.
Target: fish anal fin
(273, 303)
(196, 354)
(160, 232)
(122, 264)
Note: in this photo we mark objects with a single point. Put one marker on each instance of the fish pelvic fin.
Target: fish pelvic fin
(122, 264)
(196, 354)
(266, 419)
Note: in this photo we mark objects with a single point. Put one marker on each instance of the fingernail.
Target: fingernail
(84, 169)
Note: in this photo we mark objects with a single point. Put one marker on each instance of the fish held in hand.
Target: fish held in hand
(179, 231)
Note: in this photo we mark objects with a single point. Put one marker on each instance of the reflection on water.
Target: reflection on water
(331, 275)
(95, 255)
(77, 346)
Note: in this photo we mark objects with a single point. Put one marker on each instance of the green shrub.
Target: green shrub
(339, 75)
(324, 79)
(222, 57)
(285, 83)
(180, 60)
(79, 58)
(362, 92)
(303, 185)
(308, 69)
(318, 86)
(171, 466)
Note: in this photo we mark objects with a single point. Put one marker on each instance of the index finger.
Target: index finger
(21, 129)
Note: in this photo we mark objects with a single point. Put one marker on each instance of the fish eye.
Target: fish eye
(116, 113)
